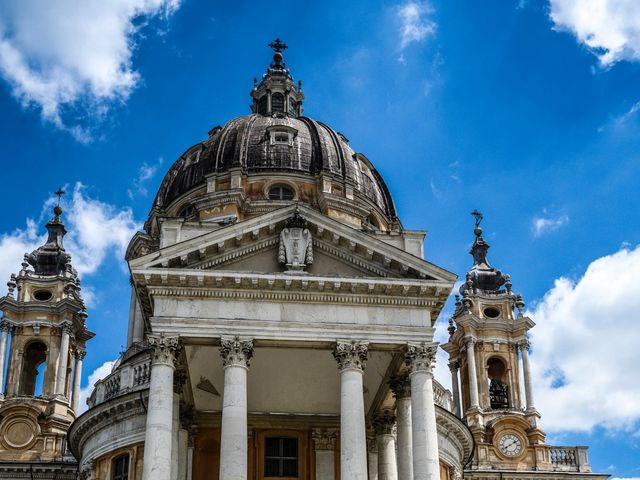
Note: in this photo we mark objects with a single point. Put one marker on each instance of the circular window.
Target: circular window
(42, 295)
(491, 312)
(281, 192)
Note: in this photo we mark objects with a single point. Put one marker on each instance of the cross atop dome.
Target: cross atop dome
(277, 45)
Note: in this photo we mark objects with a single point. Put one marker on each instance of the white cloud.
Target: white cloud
(609, 28)
(73, 58)
(98, 374)
(145, 173)
(95, 228)
(415, 24)
(584, 348)
(548, 223)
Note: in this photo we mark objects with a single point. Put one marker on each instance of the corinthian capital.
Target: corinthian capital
(400, 386)
(384, 423)
(351, 354)
(163, 348)
(324, 438)
(454, 365)
(524, 345)
(420, 357)
(236, 352)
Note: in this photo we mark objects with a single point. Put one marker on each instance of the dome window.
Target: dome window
(282, 135)
(42, 295)
(281, 192)
(277, 103)
(187, 212)
(263, 105)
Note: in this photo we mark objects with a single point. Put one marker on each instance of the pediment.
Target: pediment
(252, 246)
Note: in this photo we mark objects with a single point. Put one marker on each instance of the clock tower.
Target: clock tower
(488, 352)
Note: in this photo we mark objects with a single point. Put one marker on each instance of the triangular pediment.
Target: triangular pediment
(252, 246)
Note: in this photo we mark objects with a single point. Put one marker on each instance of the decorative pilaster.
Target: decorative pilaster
(384, 424)
(63, 358)
(473, 375)
(454, 366)
(528, 386)
(352, 358)
(420, 358)
(5, 327)
(159, 428)
(324, 442)
(77, 376)
(401, 388)
(236, 355)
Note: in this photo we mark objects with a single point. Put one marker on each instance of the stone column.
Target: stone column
(175, 432)
(63, 358)
(191, 439)
(77, 377)
(384, 424)
(401, 387)
(158, 434)
(455, 387)
(236, 355)
(4, 336)
(132, 316)
(528, 387)
(352, 357)
(420, 358)
(473, 376)
(183, 445)
(324, 442)
(372, 457)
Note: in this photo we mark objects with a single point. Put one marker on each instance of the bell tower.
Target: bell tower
(489, 359)
(42, 346)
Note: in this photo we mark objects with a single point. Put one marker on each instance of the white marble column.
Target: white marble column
(352, 357)
(4, 336)
(401, 387)
(191, 440)
(324, 444)
(175, 432)
(473, 375)
(77, 378)
(63, 358)
(183, 446)
(158, 434)
(372, 457)
(384, 424)
(454, 366)
(236, 355)
(421, 358)
(528, 386)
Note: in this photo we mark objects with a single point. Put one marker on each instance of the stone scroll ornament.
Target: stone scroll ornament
(296, 244)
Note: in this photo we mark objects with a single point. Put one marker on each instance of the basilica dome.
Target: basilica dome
(275, 156)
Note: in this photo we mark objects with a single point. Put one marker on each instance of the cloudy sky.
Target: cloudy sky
(528, 110)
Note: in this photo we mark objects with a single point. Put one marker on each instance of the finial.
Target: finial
(277, 45)
(478, 216)
(507, 283)
(452, 328)
(519, 304)
(11, 284)
(57, 210)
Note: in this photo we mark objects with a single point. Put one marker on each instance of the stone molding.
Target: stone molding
(384, 423)
(400, 386)
(351, 354)
(420, 357)
(163, 349)
(236, 352)
(324, 438)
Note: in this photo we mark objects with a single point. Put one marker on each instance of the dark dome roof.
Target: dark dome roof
(247, 143)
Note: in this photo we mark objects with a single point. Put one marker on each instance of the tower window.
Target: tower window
(281, 457)
(35, 356)
(491, 312)
(121, 468)
(262, 105)
(42, 295)
(293, 108)
(498, 389)
(277, 103)
(281, 192)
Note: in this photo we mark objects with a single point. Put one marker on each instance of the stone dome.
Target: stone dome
(275, 142)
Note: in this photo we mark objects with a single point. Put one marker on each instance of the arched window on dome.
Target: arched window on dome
(281, 192)
(277, 103)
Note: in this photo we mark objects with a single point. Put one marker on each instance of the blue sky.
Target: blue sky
(526, 110)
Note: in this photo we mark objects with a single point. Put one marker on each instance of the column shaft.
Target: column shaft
(63, 357)
(528, 386)
(175, 431)
(387, 467)
(351, 357)
(426, 464)
(77, 378)
(404, 438)
(233, 449)
(158, 434)
(372, 459)
(4, 334)
(183, 446)
(455, 387)
(473, 376)
(324, 442)
(189, 462)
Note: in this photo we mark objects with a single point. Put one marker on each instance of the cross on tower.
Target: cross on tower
(478, 217)
(59, 194)
(277, 45)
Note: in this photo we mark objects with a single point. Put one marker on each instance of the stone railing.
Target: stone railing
(569, 459)
(441, 396)
(131, 375)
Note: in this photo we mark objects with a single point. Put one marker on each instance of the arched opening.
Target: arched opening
(498, 388)
(33, 366)
(277, 103)
(281, 192)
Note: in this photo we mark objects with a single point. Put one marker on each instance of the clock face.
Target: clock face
(510, 445)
